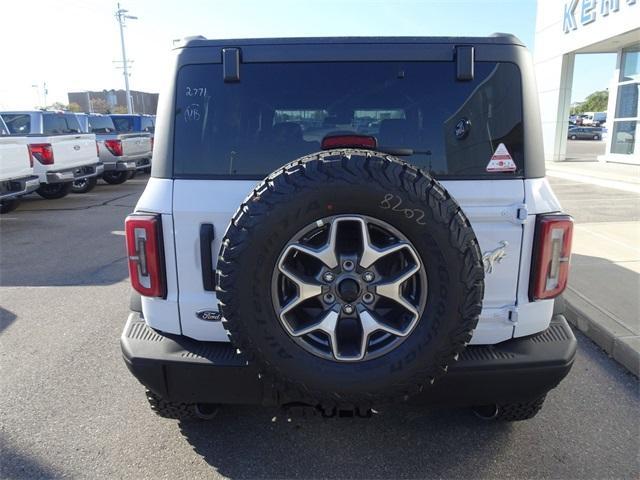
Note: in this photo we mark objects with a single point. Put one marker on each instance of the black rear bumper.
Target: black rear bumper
(184, 370)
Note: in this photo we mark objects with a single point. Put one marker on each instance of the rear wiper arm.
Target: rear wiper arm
(402, 152)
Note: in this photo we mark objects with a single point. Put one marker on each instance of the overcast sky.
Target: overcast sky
(72, 44)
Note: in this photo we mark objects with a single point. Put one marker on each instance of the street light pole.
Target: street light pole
(121, 15)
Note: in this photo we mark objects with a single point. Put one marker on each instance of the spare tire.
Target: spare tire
(350, 277)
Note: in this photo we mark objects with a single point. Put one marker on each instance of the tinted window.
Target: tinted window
(18, 123)
(60, 123)
(278, 112)
(123, 124)
(146, 124)
(100, 124)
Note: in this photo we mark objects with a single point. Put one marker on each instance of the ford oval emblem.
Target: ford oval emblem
(76, 147)
(209, 315)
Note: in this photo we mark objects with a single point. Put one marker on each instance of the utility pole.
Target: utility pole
(121, 16)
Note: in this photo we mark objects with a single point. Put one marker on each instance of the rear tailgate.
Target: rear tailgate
(135, 144)
(14, 158)
(72, 150)
(492, 207)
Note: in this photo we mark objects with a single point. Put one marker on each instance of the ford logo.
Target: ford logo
(209, 315)
(76, 147)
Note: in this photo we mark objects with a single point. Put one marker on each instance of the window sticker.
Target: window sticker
(501, 161)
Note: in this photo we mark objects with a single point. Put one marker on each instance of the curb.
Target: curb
(622, 344)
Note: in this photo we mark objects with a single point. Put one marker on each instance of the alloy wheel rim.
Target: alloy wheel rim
(349, 288)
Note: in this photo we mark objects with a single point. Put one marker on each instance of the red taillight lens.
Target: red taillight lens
(114, 146)
(30, 156)
(146, 257)
(348, 141)
(42, 152)
(552, 252)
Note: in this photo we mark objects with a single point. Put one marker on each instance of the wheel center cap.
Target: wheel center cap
(348, 289)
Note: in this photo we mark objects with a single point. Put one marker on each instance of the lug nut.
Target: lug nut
(348, 265)
(368, 276)
(328, 277)
(329, 298)
(367, 297)
(348, 309)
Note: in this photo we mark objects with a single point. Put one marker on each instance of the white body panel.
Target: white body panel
(14, 159)
(499, 211)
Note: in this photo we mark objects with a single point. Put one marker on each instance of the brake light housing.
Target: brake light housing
(146, 255)
(349, 141)
(42, 152)
(551, 256)
(114, 146)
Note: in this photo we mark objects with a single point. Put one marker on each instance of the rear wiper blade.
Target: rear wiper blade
(402, 152)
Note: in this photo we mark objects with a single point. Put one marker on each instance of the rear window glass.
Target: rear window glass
(279, 112)
(18, 123)
(123, 124)
(60, 123)
(146, 124)
(101, 124)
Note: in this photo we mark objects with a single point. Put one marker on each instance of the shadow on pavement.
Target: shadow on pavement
(6, 319)
(17, 465)
(400, 443)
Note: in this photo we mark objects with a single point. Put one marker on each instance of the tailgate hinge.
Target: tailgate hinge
(512, 314)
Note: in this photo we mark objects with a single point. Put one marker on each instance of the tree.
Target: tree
(120, 109)
(99, 105)
(74, 107)
(596, 102)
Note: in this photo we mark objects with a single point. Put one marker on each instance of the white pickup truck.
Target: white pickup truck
(61, 153)
(16, 170)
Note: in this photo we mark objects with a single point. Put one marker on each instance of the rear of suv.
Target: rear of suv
(346, 223)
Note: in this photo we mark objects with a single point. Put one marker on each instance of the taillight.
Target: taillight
(30, 157)
(146, 256)
(348, 141)
(552, 252)
(42, 152)
(97, 149)
(114, 146)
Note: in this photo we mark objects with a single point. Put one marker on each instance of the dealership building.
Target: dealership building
(565, 28)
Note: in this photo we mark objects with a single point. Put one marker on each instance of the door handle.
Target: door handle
(206, 259)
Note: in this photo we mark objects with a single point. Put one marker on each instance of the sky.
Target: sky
(74, 45)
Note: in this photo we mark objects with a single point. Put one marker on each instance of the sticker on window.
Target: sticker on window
(501, 161)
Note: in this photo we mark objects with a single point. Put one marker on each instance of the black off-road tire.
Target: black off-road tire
(54, 191)
(350, 182)
(511, 412)
(7, 206)
(165, 409)
(85, 185)
(115, 177)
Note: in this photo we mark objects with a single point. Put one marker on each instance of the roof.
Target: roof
(494, 39)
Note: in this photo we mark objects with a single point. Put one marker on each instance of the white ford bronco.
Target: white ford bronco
(344, 223)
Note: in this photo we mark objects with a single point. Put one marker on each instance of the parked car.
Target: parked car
(137, 123)
(62, 152)
(348, 278)
(16, 170)
(119, 152)
(584, 133)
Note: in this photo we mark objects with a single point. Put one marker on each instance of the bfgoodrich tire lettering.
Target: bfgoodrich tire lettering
(359, 183)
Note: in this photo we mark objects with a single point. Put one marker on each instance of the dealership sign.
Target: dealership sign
(589, 11)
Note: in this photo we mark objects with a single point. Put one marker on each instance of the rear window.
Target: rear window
(123, 124)
(60, 123)
(18, 123)
(279, 112)
(146, 124)
(99, 124)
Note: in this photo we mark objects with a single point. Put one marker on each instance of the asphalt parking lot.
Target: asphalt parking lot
(70, 408)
